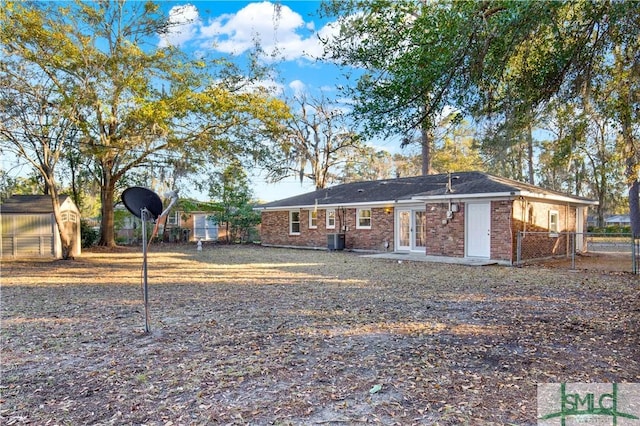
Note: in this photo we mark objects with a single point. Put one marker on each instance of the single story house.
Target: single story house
(465, 214)
(181, 226)
(618, 220)
(29, 227)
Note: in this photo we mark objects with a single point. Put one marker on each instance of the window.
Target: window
(331, 219)
(204, 228)
(294, 223)
(553, 221)
(173, 219)
(364, 219)
(69, 217)
(313, 219)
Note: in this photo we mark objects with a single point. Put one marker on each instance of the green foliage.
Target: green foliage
(89, 234)
(230, 189)
(504, 62)
(131, 101)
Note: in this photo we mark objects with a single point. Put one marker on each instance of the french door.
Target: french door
(411, 230)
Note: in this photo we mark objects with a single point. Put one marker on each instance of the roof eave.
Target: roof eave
(328, 206)
(503, 195)
(453, 195)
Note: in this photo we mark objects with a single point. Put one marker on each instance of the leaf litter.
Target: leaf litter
(254, 335)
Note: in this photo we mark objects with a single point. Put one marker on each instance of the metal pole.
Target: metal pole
(143, 216)
(573, 235)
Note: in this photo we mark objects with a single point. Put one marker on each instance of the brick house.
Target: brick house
(180, 226)
(465, 214)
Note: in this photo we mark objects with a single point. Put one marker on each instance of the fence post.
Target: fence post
(573, 249)
(519, 249)
(635, 253)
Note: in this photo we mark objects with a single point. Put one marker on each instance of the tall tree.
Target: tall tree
(318, 143)
(230, 188)
(499, 60)
(370, 164)
(457, 151)
(411, 53)
(36, 130)
(130, 98)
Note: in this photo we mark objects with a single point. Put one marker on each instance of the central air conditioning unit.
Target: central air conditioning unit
(335, 241)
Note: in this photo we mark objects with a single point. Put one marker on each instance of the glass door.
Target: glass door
(420, 227)
(404, 230)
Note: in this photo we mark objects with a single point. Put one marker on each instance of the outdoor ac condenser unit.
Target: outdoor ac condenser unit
(335, 241)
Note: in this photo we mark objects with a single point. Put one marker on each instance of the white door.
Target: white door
(404, 230)
(478, 229)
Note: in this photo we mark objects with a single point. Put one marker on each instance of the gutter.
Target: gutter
(507, 195)
(329, 206)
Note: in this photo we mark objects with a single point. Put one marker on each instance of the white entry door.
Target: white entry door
(478, 229)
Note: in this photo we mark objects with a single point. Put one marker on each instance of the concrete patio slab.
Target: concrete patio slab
(418, 257)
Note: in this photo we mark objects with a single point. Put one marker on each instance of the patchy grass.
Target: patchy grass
(275, 336)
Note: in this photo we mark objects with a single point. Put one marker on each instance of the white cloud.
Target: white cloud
(184, 23)
(281, 32)
(297, 86)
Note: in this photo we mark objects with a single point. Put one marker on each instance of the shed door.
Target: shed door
(478, 229)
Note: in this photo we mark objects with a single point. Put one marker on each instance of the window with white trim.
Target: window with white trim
(313, 219)
(173, 219)
(294, 222)
(331, 218)
(363, 219)
(554, 221)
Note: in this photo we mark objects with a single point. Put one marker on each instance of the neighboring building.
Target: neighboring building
(618, 220)
(466, 214)
(29, 228)
(180, 227)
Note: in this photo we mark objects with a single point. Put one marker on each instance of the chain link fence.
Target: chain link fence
(580, 250)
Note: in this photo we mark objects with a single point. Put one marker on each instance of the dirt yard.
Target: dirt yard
(250, 335)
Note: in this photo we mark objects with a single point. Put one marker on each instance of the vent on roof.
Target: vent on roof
(360, 190)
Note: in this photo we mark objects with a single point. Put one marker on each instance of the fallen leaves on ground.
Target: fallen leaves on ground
(244, 334)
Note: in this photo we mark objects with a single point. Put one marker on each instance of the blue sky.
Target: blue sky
(231, 27)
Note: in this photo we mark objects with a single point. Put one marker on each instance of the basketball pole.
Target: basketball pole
(143, 216)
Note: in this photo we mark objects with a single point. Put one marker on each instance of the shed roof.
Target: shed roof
(30, 204)
(463, 185)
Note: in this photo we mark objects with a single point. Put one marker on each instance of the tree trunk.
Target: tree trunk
(530, 155)
(631, 175)
(107, 192)
(425, 142)
(634, 208)
(66, 241)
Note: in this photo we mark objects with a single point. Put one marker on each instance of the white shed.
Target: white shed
(28, 227)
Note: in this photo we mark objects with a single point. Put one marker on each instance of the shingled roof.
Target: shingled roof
(463, 185)
(29, 204)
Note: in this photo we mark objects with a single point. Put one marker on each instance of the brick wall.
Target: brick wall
(503, 240)
(445, 239)
(275, 230)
